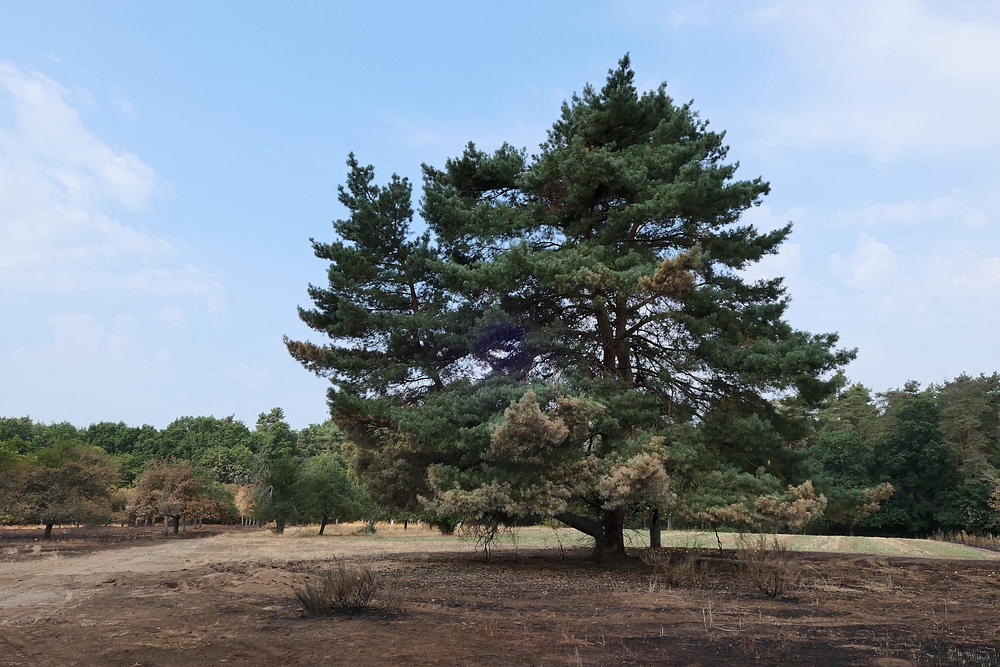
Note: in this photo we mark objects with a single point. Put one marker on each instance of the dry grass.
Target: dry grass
(684, 567)
(346, 588)
(765, 564)
(988, 541)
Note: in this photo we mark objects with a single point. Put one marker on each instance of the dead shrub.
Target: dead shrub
(678, 567)
(764, 563)
(346, 588)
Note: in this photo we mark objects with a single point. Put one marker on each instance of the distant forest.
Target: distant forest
(907, 462)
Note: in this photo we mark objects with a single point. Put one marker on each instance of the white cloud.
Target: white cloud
(870, 264)
(57, 182)
(172, 315)
(890, 77)
(80, 342)
(954, 207)
(122, 103)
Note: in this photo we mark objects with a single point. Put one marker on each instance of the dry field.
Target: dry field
(132, 597)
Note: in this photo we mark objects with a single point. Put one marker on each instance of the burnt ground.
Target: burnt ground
(132, 597)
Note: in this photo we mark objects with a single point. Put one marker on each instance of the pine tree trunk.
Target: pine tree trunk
(322, 525)
(166, 525)
(48, 532)
(279, 525)
(654, 529)
(612, 543)
(177, 523)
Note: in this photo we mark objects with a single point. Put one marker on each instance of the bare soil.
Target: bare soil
(225, 597)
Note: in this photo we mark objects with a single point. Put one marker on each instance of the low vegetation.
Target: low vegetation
(346, 588)
(765, 563)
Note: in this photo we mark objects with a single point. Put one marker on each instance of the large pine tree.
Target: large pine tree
(535, 350)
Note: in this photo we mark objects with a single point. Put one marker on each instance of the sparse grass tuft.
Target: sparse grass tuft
(346, 588)
(680, 567)
(764, 563)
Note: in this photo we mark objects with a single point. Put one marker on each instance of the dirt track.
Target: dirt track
(227, 599)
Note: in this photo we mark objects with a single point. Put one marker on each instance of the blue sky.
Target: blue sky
(163, 165)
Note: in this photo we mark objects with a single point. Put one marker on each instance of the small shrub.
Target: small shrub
(765, 563)
(347, 588)
(686, 566)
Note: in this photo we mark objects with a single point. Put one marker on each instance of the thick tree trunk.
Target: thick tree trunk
(177, 523)
(279, 525)
(614, 535)
(654, 529)
(608, 533)
(322, 525)
(48, 532)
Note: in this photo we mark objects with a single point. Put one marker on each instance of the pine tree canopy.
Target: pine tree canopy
(536, 350)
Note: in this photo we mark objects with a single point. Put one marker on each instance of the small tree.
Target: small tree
(68, 482)
(328, 490)
(174, 489)
(279, 494)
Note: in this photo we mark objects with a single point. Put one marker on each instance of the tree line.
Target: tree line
(907, 462)
(196, 469)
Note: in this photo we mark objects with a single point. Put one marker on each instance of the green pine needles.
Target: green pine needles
(563, 326)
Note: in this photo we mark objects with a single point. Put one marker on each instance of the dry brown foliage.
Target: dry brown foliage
(765, 564)
(346, 588)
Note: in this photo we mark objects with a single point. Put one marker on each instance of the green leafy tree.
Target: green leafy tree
(11, 462)
(852, 410)
(970, 424)
(278, 494)
(847, 476)
(34, 435)
(328, 491)
(534, 351)
(189, 437)
(317, 439)
(914, 459)
(122, 441)
(229, 465)
(273, 437)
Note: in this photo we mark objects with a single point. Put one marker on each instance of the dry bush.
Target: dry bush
(682, 566)
(765, 563)
(346, 588)
(987, 541)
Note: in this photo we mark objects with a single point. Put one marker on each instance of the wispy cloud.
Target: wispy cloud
(889, 78)
(80, 342)
(869, 266)
(955, 209)
(119, 101)
(58, 186)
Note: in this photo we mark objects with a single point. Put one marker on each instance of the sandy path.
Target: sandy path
(37, 586)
